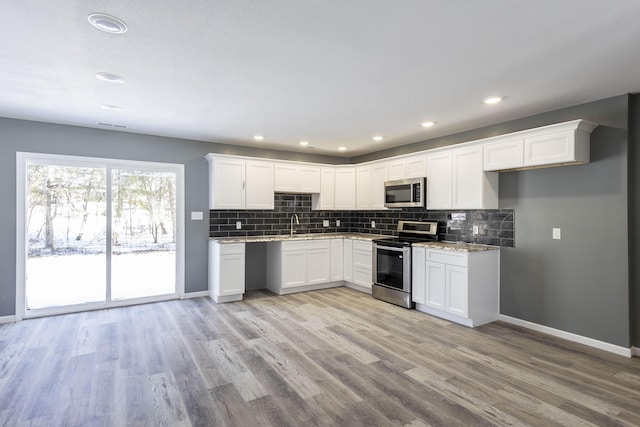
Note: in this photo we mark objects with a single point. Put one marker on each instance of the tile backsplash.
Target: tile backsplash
(494, 226)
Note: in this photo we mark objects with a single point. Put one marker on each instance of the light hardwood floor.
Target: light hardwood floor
(332, 357)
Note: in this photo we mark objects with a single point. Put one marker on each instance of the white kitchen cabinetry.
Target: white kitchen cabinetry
(397, 169)
(456, 180)
(337, 260)
(379, 174)
(240, 184)
(416, 166)
(363, 187)
(348, 260)
(297, 178)
(226, 271)
(362, 264)
(325, 200)
(439, 180)
(295, 266)
(504, 155)
(345, 188)
(461, 287)
(555, 145)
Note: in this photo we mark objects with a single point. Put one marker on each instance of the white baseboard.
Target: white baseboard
(635, 351)
(612, 348)
(195, 294)
(7, 319)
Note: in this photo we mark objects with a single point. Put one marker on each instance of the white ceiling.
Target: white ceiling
(329, 72)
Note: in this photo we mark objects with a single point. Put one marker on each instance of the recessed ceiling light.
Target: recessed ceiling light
(342, 148)
(111, 107)
(108, 23)
(377, 138)
(109, 77)
(492, 100)
(258, 137)
(427, 124)
(303, 143)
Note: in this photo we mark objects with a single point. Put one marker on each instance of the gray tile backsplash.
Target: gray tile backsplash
(494, 226)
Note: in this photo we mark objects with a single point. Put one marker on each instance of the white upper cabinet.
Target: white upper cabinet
(226, 183)
(548, 146)
(379, 174)
(325, 200)
(345, 188)
(259, 193)
(416, 166)
(439, 179)
(472, 188)
(363, 187)
(504, 155)
(456, 180)
(292, 178)
(397, 169)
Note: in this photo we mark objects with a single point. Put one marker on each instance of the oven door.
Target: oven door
(392, 267)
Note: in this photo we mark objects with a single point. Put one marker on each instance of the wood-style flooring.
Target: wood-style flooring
(327, 358)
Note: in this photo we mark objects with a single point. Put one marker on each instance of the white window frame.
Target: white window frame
(22, 159)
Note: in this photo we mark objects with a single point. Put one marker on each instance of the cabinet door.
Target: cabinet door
(418, 278)
(504, 155)
(439, 170)
(286, 177)
(318, 266)
(231, 274)
(259, 188)
(397, 169)
(362, 277)
(337, 260)
(379, 174)
(348, 260)
(345, 188)
(457, 292)
(436, 285)
(294, 268)
(552, 148)
(363, 187)
(327, 189)
(309, 179)
(416, 167)
(467, 178)
(226, 186)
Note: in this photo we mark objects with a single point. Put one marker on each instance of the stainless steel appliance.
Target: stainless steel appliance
(405, 193)
(392, 261)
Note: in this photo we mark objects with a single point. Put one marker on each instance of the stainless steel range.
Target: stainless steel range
(392, 261)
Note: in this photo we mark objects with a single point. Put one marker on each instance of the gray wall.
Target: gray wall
(19, 135)
(634, 212)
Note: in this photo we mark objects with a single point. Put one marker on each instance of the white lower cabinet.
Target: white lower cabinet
(337, 260)
(226, 271)
(298, 265)
(461, 287)
(348, 260)
(363, 264)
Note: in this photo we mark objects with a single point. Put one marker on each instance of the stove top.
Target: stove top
(410, 232)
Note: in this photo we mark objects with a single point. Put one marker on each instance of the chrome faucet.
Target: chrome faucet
(297, 222)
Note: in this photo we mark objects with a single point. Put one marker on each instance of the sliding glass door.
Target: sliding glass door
(97, 233)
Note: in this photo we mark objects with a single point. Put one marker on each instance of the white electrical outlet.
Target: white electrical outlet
(197, 216)
(238, 225)
(325, 223)
(475, 229)
(337, 223)
(557, 234)
(373, 224)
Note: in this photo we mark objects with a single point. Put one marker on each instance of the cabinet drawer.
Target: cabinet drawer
(363, 245)
(232, 248)
(447, 257)
(362, 276)
(362, 259)
(303, 245)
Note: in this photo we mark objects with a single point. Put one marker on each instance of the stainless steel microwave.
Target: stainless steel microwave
(405, 193)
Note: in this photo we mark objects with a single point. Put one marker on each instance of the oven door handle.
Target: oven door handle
(390, 248)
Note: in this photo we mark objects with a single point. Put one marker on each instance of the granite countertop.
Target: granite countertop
(445, 246)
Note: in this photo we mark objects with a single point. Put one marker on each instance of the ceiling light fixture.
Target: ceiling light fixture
(303, 143)
(427, 124)
(377, 138)
(342, 148)
(258, 137)
(111, 107)
(492, 100)
(108, 23)
(109, 77)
